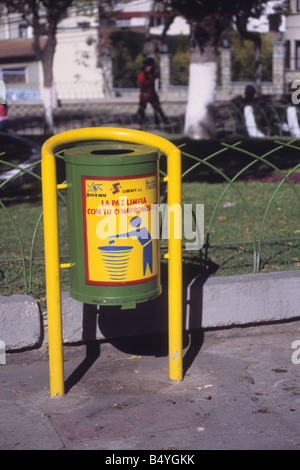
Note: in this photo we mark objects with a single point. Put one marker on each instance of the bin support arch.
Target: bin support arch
(51, 237)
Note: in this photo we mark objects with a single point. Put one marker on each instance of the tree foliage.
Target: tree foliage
(199, 9)
(243, 59)
(127, 55)
(243, 56)
(207, 20)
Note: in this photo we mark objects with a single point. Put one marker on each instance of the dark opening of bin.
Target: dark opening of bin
(112, 152)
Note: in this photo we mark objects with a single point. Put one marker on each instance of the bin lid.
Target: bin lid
(110, 153)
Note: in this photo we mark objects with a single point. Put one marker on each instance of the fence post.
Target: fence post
(164, 68)
(278, 68)
(226, 55)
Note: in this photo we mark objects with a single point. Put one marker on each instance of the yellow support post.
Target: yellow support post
(55, 339)
(173, 154)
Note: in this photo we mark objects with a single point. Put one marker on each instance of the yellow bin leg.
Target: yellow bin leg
(55, 340)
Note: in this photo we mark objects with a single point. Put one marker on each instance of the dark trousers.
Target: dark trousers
(158, 112)
(4, 125)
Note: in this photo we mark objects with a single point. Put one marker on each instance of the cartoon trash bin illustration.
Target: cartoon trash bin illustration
(116, 260)
(144, 238)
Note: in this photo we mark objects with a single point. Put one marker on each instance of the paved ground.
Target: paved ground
(240, 391)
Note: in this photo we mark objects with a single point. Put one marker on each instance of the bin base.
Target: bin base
(125, 304)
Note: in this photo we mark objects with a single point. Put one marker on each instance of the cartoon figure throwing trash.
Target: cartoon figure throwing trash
(144, 237)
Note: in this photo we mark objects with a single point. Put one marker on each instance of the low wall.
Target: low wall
(217, 302)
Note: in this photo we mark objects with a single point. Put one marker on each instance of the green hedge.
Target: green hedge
(127, 54)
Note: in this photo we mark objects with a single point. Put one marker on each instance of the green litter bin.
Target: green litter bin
(113, 198)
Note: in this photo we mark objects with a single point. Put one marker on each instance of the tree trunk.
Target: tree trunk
(46, 55)
(48, 109)
(34, 13)
(204, 38)
(199, 122)
(49, 95)
(257, 67)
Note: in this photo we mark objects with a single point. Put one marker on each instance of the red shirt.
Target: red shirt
(146, 83)
(3, 110)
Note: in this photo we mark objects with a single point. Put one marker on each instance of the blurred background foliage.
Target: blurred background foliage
(127, 54)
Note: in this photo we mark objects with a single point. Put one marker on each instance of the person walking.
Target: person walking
(3, 118)
(148, 94)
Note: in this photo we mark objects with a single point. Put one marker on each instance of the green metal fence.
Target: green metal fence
(240, 236)
(232, 182)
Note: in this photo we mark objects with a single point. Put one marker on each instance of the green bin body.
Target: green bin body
(113, 196)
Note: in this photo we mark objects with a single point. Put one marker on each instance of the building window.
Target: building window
(22, 31)
(83, 24)
(157, 21)
(14, 76)
(297, 55)
(123, 23)
(298, 5)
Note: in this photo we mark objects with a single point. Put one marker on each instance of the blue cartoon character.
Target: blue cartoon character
(144, 237)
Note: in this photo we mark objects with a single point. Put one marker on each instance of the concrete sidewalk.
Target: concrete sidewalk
(240, 391)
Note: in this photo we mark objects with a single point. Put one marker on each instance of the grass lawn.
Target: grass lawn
(233, 227)
(238, 225)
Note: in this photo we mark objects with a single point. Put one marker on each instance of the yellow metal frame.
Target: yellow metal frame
(174, 257)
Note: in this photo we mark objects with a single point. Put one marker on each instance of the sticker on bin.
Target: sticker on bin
(120, 229)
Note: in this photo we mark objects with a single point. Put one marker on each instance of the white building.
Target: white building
(140, 14)
(75, 62)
